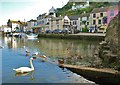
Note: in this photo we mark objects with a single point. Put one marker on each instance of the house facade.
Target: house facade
(84, 21)
(6, 29)
(98, 19)
(56, 23)
(66, 23)
(43, 22)
(30, 24)
(74, 23)
(16, 25)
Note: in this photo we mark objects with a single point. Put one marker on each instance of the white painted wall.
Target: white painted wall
(7, 29)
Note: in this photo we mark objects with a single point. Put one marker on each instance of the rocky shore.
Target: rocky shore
(109, 50)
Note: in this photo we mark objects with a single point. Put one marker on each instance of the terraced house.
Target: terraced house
(98, 18)
(60, 23)
(74, 23)
(31, 24)
(56, 23)
(84, 22)
(43, 20)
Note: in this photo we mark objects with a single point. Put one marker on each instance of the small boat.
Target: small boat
(31, 35)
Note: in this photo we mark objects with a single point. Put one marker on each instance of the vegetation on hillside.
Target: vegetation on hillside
(66, 10)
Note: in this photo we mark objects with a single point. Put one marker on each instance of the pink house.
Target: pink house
(112, 12)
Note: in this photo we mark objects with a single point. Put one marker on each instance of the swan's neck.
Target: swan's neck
(31, 64)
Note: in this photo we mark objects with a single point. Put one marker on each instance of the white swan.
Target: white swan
(26, 69)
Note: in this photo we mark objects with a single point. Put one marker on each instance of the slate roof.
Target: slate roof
(57, 18)
(75, 17)
(85, 15)
(97, 10)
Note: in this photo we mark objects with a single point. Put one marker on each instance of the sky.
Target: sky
(26, 9)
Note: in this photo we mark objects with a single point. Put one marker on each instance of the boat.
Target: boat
(31, 35)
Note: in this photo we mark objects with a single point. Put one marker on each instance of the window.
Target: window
(57, 26)
(87, 18)
(74, 22)
(84, 22)
(99, 21)
(57, 21)
(80, 23)
(87, 23)
(94, 22)
(112, 13)
(80, 18)
(104, 20)
(94, 15)
(101, 14)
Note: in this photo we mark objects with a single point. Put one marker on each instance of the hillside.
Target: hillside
(66, 10)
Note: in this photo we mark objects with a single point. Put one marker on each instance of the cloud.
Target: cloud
(29, 10)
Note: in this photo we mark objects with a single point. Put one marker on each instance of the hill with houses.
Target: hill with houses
(74, 17)
(76, 8)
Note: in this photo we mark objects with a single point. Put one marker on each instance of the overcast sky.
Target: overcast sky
(26, 9)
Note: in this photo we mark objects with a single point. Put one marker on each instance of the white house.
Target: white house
(6, 28)
(16, 25)
(78, 5)
(84, 21)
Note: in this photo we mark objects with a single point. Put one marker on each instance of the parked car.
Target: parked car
(48, 31)
(56, 31)
(66, 31)
(91, 29)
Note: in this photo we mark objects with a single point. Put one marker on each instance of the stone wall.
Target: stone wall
(109, 50)
(112, 35)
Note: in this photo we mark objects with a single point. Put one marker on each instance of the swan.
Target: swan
(26, 69)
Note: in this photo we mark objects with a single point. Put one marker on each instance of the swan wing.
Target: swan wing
(23, 69)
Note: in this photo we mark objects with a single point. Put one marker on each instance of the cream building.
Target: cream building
(97, 17)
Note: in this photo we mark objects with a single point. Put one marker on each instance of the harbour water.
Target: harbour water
(14, 56)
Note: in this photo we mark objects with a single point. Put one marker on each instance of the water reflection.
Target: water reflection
(25, 74)
(79, 52)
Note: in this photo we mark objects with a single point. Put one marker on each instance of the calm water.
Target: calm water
(13, 56)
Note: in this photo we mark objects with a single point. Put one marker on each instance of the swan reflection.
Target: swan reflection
(25, 74)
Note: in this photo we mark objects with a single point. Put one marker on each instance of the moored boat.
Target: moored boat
(31, 35)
